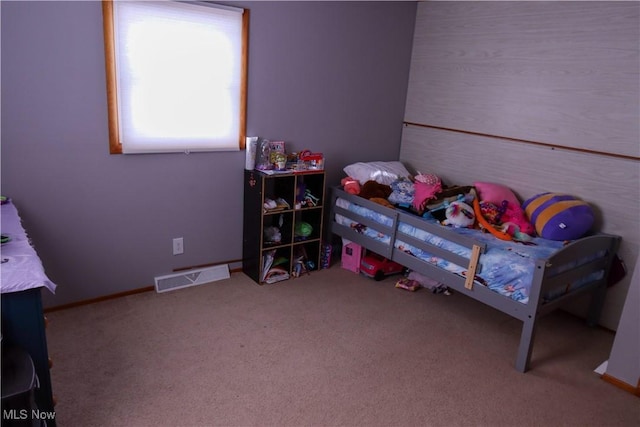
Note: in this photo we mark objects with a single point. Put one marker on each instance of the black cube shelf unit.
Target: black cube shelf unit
(282, 231)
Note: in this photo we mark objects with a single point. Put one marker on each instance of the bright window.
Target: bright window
(176, 76)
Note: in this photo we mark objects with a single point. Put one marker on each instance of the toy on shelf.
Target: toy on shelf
(272, 235)
(312, 160)
(301, 263)
(302, 230)
(304, 197)
(263, 155)
(271, 157)
(275, 205)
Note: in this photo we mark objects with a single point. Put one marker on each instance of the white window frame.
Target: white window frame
(124, 137)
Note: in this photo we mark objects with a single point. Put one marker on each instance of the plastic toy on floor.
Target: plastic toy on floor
(408, 284)
(433, 285)
(378, 267)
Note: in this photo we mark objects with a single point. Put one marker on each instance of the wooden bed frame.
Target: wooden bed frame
(545, 278)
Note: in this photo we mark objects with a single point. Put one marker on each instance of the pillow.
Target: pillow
(559, 216)
(495, 193)
(381, 172)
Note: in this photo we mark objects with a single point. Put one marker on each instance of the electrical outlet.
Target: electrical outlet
(178, 246)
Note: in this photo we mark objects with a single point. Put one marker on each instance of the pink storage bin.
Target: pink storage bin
(351, 256)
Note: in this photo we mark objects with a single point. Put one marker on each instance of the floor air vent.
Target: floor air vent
(188, 278)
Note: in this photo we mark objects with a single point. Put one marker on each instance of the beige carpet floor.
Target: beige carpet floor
(329, 349)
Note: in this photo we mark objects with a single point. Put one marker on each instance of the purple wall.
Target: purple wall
(328, 76)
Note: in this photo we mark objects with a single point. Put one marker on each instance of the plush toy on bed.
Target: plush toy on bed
(351, 185)
(459, 214)
(381, 201)
(510, 221)
(517, 218)
(427, 187)
(491, 212)
(371, 189)
(559, 216)
(402, 192)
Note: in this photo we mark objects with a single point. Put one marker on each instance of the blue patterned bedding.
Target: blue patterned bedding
(506, 267)
(367, 213)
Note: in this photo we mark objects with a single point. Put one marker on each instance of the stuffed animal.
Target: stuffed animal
(428, 186)
(490, 212)
(514, 214)
(372, 189)
(309, 199)
(272, 235)
(559, 216)
(507, 222)
(351, 185)
(510, 221)
(459, 214)
(486, 225)
(513, 230)
(402, 192)
(381, 201)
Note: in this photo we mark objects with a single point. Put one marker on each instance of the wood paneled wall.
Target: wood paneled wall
(539, 96)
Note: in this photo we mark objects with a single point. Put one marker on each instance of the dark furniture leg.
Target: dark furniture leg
(526, 345)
